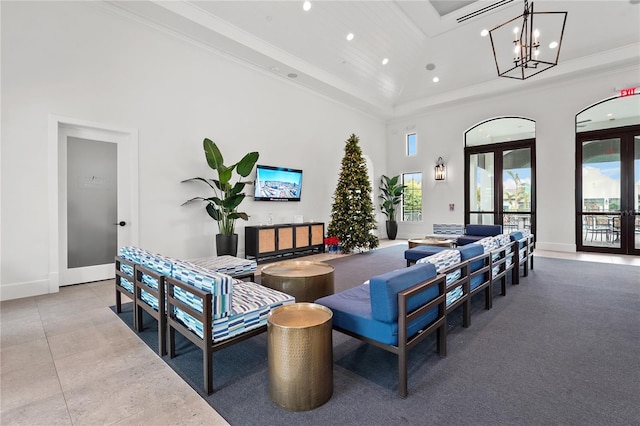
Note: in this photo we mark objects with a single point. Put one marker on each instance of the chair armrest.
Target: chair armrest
(405, 317)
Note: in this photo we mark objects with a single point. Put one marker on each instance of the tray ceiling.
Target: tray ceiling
(420, 39)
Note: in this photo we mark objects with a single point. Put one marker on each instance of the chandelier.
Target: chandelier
(523, 48)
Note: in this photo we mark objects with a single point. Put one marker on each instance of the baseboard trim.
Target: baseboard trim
(25, 289)
(568, 248)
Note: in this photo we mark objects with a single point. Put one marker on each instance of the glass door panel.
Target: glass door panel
(635, 203)
(601, 193)
(481, 183)
(516, 189)
(481, 219)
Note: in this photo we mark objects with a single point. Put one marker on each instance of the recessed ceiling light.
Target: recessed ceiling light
(306, 6)
(553, 45)
(292, 75)
(609, 115)
(385, 61)
(484, 32)
(350, 36)
(436, 79)
(431, 67)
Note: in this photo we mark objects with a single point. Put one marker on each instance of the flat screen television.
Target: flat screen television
(277, 184)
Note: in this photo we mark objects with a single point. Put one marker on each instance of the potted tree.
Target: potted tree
(391, 195)
(227, 196)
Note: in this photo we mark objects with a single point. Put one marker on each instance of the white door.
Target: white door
(95, 193)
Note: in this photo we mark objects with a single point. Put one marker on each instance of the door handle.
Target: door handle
(121, 223)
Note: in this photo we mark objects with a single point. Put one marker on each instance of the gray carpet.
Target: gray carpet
(563, 347)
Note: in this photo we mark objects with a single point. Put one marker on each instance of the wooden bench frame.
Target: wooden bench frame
(139, 305)
(120, 290)
(501, 262)
(526, 262)
(207, 344)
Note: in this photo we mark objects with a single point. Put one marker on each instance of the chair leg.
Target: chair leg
(137, 320)
(171, 342)
(207, 368)
(466, 312)
(402, 372)
(441, 340)
(162, 335)
(488, 297)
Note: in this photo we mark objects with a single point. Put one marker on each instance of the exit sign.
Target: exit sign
(628, 92)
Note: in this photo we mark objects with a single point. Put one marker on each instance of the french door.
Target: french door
(608, 191)
(500, 185)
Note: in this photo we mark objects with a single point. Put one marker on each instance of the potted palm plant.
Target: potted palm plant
(391, 191)
(227, 196)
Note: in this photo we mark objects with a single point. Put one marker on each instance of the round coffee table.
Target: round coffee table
(302, 279)
(437, 242)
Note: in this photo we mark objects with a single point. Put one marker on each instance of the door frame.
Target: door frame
(127, 140)
(625, 134)
(498, 149)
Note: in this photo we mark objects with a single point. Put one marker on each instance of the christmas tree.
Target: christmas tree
(352, 218)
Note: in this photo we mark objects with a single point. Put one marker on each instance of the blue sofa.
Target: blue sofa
(394, 311)
(473, 233)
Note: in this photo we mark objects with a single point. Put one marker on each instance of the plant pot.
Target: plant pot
(227, 244)
(392, 229)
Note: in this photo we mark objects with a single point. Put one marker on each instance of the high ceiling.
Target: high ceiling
(310, 48)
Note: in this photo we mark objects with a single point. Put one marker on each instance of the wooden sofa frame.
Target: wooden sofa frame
(140, 305)
(502, 263)
(405, 342)
(120, 290)
(467, 292)
(207, 344)
(526, 262)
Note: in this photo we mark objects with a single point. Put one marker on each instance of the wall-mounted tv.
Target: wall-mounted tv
(277, 184)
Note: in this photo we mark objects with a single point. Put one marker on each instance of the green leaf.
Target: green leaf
(245, 166)
(213, 154)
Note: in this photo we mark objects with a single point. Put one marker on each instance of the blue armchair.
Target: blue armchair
(394, 311)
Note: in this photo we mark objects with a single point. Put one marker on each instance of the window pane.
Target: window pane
(481, 182)
(516, 180)
(481, 219)
(601, 175)
(412, 199)
(504, 129)
(412, 144)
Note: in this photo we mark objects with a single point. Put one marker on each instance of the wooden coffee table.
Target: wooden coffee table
(437, 242)
(302, 279)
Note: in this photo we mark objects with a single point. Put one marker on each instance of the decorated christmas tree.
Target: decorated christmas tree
(352, 217)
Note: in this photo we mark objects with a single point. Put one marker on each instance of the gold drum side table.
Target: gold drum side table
(302, 279)
(300, 353)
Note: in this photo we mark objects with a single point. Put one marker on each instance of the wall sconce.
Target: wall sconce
(440, 170)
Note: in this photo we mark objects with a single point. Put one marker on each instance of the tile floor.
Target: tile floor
(66, 359)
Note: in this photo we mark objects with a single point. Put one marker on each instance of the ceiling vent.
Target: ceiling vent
(482, 10)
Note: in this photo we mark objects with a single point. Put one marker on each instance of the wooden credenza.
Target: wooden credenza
(290, 239)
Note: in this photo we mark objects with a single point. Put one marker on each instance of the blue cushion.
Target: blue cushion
(468, 239)
(385, 289)
(470, 251)
(420, 252)
(515, 236)
(352, 311)
(483, 230)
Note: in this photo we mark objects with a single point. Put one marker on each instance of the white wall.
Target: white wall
(79, 60)
(553, 107)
